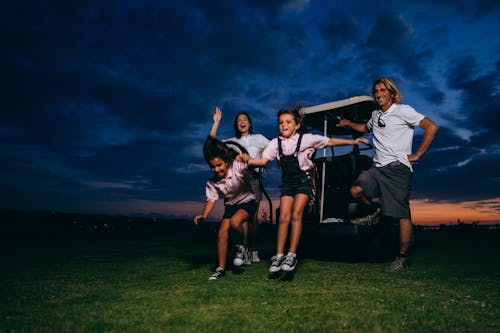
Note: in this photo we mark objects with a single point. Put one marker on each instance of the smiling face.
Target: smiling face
(383, 96)
(287, 125)
(219, 167)
(243, 124)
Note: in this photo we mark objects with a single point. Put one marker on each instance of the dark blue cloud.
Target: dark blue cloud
(454, 165)
(111, 101)
(479, 93)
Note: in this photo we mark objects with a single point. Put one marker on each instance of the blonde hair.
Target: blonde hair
(391, 86)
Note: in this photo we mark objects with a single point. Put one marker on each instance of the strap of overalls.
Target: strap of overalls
(280, 149)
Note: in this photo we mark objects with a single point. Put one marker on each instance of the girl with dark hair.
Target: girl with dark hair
(229, 181)
(254, 144)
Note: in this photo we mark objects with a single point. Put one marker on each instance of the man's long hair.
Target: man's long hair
(391, 86)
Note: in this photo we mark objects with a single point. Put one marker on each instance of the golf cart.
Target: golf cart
(333, 213)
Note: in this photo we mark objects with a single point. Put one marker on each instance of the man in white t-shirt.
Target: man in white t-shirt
(390, 176)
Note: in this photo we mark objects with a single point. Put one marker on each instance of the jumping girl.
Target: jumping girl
(294, 152)
(229, 181)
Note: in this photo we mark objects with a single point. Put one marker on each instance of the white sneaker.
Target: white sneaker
(219, 273)
(248, 257)
(255, 256)
(289, 263)
(242, 256)
(276, 263)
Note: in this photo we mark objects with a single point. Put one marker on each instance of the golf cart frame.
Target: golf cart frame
(333, 211)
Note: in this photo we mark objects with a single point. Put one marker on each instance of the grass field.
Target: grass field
(156, 281)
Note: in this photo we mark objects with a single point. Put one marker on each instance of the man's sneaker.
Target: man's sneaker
(255, 256)
(242, 256)
(276, 263)
(289, 263)
(372, 218)
(219, 273)
(398, 265)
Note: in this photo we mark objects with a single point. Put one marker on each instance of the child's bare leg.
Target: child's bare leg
(286, 205)
(299, 205)
(222, 240)
(244, 228)
(237, 224)
(254, 225)
(238, 221)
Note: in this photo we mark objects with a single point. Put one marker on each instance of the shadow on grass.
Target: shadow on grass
(351, 250)
(281, 276)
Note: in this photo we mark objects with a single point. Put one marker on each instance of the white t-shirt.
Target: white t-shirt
(253, 143)
(394, 141)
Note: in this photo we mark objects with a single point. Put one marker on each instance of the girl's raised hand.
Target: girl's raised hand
(217, 116)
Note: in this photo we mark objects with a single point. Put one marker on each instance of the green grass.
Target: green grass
(158, 283)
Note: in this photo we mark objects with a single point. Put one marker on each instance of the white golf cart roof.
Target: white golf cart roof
(325, 117)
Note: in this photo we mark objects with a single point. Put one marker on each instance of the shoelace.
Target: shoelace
(289, 260)
(276, 261)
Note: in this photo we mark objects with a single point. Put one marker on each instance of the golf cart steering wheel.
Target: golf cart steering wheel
(240, 149)
(236, 147)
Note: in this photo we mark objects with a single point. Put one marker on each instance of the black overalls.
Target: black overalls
(293, 179)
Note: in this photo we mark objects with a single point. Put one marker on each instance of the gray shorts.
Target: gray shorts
(390, 183)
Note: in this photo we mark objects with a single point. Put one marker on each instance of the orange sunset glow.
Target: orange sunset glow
(424, 212)
(434, 213)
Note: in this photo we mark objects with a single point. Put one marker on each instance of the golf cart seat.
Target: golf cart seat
(340, 173)
(335, 174)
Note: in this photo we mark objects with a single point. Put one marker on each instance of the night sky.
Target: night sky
(106, 104)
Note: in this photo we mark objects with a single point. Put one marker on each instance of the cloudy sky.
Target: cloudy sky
(106, 104)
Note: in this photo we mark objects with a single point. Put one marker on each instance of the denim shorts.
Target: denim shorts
(302, 184)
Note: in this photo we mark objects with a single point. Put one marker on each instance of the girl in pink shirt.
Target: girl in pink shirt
(230, 181)
(294, 152)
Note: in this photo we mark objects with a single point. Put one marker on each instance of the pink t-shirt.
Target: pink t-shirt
(309, 144)
(234, 188)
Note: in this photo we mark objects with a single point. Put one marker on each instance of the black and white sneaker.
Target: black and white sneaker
(399, 264)
(219, 273)
(242, 256)
(276, 262)
(248, 257)
(289, 263)
(255, 256)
